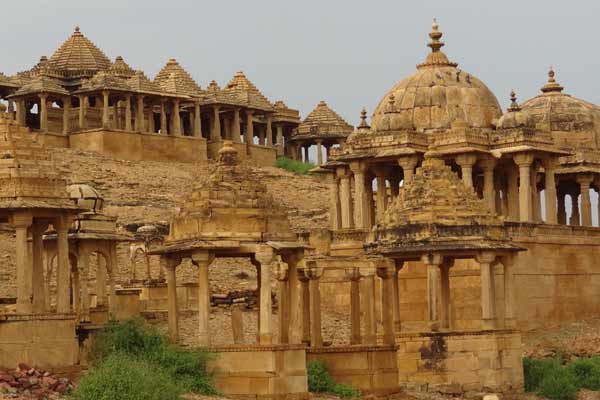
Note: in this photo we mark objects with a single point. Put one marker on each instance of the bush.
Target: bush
(534, 371)
(122, 377)
(143, 344)
(558, 385)
(586, 373)
(319, 381)
(297, 167)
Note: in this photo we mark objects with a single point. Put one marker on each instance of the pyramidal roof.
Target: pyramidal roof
(174, 79)
(78, 54)
(246, 93)
(28, 175)
(140, 83)
(121, 69)
(324, 121)
(42, 84)
(104, 80)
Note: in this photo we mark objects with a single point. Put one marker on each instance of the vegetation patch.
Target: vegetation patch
(554, 379)
(131, 360)
(297, 167)
(319, 381)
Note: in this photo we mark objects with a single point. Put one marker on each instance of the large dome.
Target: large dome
(573, 122)
(436, 95)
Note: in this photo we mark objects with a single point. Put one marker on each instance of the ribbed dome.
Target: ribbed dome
(79, 54)
(572, 121)
(85, 196)
(515, 117)
(437, 94)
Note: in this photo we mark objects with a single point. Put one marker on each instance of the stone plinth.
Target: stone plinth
(273, 372)
(43, 341)
(127, 303)
(471, 359)
(371, 369)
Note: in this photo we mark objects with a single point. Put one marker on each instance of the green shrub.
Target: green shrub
(558, 385)
(319, 381)
(122, 377)
(535, 370)
(586, 373)
(143, 343)
(297, 167)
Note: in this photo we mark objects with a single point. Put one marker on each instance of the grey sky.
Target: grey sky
(348, 53)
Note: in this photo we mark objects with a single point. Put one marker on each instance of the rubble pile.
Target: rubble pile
(26, 382)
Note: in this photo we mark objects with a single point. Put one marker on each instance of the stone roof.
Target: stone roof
(174, 79)
(435, 210)
(436, 95)
(120, 68)
(79, 55)
(105, 81)
(232, 204)
(42, 84)
(245, 93)
(5, 81)
(323, 121)
(283, 113)
(141, 84)
(28, 175)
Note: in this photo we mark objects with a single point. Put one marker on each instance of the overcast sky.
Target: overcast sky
(348, 53)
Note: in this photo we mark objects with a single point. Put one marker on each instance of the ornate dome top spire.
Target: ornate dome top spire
(514, 106)
(551, 85)
(436, 57)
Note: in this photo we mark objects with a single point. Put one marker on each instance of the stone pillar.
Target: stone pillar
(151, 125)
(397, 320)
(83, 263)
(575, 215)
(76, 290)
(508, 262)
(433, 262)
(66, 115)
(296, 310)
(128, 112)
(139, 121)
(524, 161)
(368, 303)
(353, 274)
(586, 205)
(305, 306)
(82, 107)
(488, 289)
(197, 120)
(512, 183)
(203, 260)
(269, 130)
(536, 206)
(346, 208)
(562, 212)
(319, 152)
(43, 112)
(387, 275)
(334, 202)
(11, 110)
(279, 129)
(408, 165)
(380, 173)
(63, 279)
(445, 293)
(163, 118)
(361, 206)
(265, 257)
(169, 266)
(37, 267)
(280, 272)
(235, 132)
(175, 119)
(20, 112)
(101, 274)
(21, 221)
(249, 134)
(489, 196)
(105, 118)
(314, 273)
(215, 132)
(550, 193)
(466, 161)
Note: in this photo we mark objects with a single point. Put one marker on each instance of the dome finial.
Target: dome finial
(551, 85)
(514, 106)
(363, 119)
(435, 36)
(77, 28)
(436, 57)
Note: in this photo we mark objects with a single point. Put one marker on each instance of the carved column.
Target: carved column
(169, 265)
(203, 260)
(466, 161)
(163, 118)
(197, 120)
(11, 110)
(562, 212)
(37, 266)
(408, 165)
(575, 215)
(361, 206)
(319, 152)
(550, 193)
(128, 112)
(249, 136)
(353, 274)
(43, 112)
(139, 121)
(508, 262)
(380, 173)
(334, 199)
(105, 117)
(305, 305)
(536, 206)
(397, 320)
(269, 130)
(524, 161)
(66, 115)
(445, 292)
(83, 263)
(368, 301)
(175, 118)
(586, 205)
(296, 308)
(433, 262)
(63, 280)
(280, 272)
(215, 132)
(387, 275)
(314, 273)
(488, 289)
(488, 165)
(512, 180)
(265, 257)
(346, 207)
(279, 129)
(21, 221)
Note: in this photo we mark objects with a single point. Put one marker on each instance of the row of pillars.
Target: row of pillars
(300, 151)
